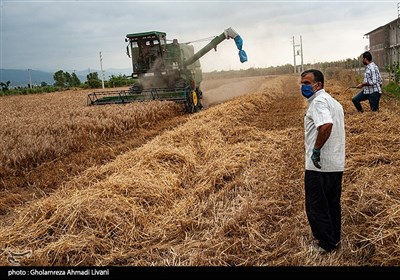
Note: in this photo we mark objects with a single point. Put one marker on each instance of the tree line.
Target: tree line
(65, 80)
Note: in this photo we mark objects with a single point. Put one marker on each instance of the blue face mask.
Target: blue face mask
(306, 91)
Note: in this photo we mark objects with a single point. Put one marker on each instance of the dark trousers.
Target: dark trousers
(323, 191)
(372, 98)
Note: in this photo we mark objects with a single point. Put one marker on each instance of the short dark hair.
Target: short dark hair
(318, 76)
(367, 55)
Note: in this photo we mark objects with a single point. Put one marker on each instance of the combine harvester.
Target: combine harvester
(164, 71)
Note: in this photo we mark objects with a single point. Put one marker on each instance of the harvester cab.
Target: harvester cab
(165, 70)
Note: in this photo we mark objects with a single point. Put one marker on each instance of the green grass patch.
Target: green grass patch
(393, 89)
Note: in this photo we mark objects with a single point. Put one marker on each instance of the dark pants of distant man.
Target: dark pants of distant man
(372, 98)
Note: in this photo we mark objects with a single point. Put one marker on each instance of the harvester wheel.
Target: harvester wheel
(199, 96)
(194, 98)
(193, 103)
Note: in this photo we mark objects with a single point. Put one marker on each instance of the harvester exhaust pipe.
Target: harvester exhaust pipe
(227, 34)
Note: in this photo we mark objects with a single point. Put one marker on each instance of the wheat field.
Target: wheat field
(146, 185)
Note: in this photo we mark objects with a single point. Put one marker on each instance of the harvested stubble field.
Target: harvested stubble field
(143, 184)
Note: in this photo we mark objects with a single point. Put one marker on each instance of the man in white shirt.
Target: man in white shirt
(324, 160)
(371, 85)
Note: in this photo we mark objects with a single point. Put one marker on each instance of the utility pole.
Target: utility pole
(301, 50)
(298, 52)
(30, 78)
(294, 55)
(102, 72)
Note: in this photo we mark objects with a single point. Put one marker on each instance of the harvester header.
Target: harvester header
(165, 70)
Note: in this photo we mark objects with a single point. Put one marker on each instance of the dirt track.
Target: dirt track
(220, 90)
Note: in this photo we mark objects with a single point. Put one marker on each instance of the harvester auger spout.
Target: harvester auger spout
(227, 34)
(164, 71)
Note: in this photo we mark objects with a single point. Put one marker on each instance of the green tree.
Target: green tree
(59, 78)
(65, 79)
(75, 82)
(394, 71)
(4, 86)
(119, 81)
(93, 80)
(68, 79)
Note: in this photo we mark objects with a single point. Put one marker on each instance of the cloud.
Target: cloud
(68, 35)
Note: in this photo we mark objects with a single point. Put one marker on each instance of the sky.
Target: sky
(69, 35)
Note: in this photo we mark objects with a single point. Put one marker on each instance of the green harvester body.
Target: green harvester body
(164, 71)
